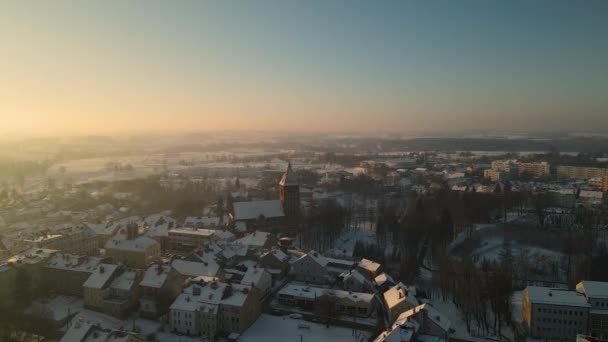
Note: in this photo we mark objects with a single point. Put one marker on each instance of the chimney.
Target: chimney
(102, 269)
(196, 291)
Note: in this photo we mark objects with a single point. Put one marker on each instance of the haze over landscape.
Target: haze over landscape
(313, 171)
(425, 66)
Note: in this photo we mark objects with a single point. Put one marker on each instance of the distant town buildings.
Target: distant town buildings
(580, 172)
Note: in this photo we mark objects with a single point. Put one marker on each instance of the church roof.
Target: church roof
(289, 177)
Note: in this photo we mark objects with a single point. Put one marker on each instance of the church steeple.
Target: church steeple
(289, 177)
(289, 190)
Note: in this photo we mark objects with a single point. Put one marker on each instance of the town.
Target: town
(409, 246)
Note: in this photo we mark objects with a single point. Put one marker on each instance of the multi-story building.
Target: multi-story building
(66, 273)
(159, 286)
(97, 284)
(31, 261)
(208, 307)
(187, 240)
(580, 172)
(555, 313)
(511, 168)
(132, 250)
(79, 240)
(494, 176)
(597, 296)
(534, 169)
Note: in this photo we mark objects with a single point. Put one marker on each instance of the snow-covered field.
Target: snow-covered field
(275, 328)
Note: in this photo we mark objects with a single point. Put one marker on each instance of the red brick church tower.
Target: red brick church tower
(289, 190)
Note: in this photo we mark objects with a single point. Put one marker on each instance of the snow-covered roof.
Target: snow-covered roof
(437, 317)
(355, 275)
(547, 295)
(80, 263)
(383, 278)
(253, 276)
(31, 256)
(202, 221)
(402, 330)
(120, 242)
(252, 210)
(593, 289)
(289, 177)
(195, 269)
(316, 256)
(77, 332)
(369, 265)
(255, 239)
(197, 232)
(205, 295)
(311, 292)
(125, 280)
(277, 254)
(100, 276)
(155, 276)
(223, 235)
(399, 293)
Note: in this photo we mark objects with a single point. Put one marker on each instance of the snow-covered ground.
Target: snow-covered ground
(275, 328)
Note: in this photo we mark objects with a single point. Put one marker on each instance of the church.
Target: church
(282, 215)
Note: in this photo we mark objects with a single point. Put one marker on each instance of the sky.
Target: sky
(316, 65)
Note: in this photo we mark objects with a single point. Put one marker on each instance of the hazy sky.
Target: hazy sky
(331, 65)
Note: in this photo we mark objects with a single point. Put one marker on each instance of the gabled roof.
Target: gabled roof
(289, 177)
(254, 209)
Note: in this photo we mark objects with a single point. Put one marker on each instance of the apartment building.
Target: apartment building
(580, 172)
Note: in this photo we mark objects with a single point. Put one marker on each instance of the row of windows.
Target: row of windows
(602, 304)
(561, 312)
(560, 331)
(178, 322)
(560, 321)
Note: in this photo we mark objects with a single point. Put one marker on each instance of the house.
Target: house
(208, 307)
(369, 268)
(258, 278)
(400, 298)
(311, 267)
(159, 286)
(356, 282)
(132, 250)
(123, 293)
(276, 262)
(96, 285)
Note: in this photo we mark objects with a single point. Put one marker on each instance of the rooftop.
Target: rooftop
(100, 276)
(252, 210)
(593, 289)
(546, 295)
